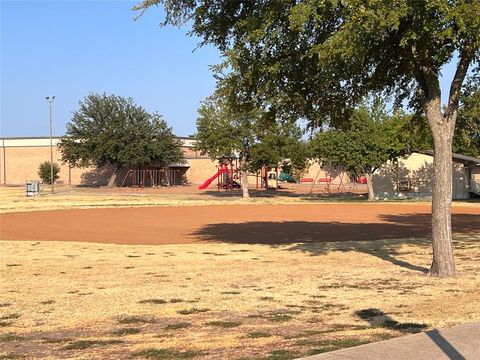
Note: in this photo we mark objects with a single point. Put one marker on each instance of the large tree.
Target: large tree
(225, 132)
(466, 139)
(371, 138)
(467, 136)
(318, 59)
(113, 130)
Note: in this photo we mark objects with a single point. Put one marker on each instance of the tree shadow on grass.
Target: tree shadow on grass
(304, 194)
(378, 318)
(383, 239)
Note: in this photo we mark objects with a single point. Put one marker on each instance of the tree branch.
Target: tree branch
(466, 57)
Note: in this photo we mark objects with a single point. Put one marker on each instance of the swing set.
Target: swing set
(151, 178)
(329, 184)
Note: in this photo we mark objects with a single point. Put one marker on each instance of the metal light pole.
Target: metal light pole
(50, 100)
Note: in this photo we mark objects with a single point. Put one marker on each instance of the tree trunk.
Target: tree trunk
(371, 194)
(113, 177)
(244, 180)
(443, 263)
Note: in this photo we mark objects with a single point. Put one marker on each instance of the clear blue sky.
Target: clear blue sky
(71, 48)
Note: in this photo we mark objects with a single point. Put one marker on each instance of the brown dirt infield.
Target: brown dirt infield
(253, 224)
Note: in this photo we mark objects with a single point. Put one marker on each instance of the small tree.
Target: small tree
(370, 141)
(221, 135)
(113, 130)
(45, 172)
(228, 132)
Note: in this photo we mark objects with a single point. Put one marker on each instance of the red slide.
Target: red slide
(209, 180)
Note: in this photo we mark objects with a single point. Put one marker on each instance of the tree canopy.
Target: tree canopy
(228, 133)
(317, 60)
(113, 130)
(467, 137)
(371, 139)
(327, 55)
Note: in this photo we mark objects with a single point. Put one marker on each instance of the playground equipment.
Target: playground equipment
(151, 178)
(226, 177)
(329, 184)
(207, 182)
(268, 177)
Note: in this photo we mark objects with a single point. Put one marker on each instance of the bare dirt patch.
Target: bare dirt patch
(257, 224)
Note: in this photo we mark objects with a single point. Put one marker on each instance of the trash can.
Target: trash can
(32, 188)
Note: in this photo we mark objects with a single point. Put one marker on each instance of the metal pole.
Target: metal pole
(52, 180)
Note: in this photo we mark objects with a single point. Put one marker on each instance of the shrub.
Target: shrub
(44, 172)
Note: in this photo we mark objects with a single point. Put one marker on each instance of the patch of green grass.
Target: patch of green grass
(277, 317)
(10, 357)
(47, 302)
(152, 301)
(126, 331)
(168, 354)
(192, 311)
(224, 324)
(258, 334)
(10, 316)
(55, 341)
(304, 334)
(176, 326)
(134, 319)
(324, 345)
(176, 300)
(10, 337)
(281, 355)
(85, 344)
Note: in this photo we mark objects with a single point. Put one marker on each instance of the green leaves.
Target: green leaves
(316, 60)
(45, 172)
(370, 141)
(109, 129)
(228, 132)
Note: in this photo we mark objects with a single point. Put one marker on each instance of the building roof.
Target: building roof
(39, 141)
(455, 157)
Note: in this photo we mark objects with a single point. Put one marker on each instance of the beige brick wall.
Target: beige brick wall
(19, 163)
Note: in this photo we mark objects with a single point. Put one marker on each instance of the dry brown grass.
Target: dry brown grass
(12, 199)
(83, 300)
(217, 301)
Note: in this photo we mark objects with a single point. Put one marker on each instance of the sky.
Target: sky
(70, 48)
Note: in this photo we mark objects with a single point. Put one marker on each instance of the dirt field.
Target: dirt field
(273, 224)
(267, 281)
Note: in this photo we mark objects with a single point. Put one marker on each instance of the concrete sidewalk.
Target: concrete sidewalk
(460, 342)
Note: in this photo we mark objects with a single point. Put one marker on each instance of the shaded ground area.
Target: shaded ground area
(256, 224)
